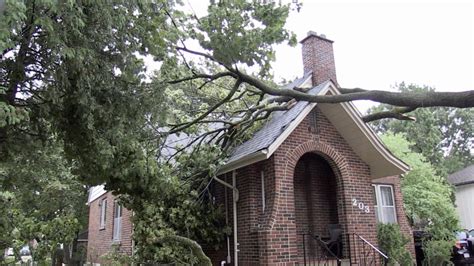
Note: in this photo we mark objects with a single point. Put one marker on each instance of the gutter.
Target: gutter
(464, 183)
(244, 161)
(235, 199)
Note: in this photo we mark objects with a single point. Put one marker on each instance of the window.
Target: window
(103, 213)
(117, 221)
(384, 204)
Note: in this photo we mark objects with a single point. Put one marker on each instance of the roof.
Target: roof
(274, 127)
(462, 177)
(344, 117)
(95, 192)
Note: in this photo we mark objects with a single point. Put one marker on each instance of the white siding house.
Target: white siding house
(463, 182)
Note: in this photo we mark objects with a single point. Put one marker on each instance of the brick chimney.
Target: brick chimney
(318, 58)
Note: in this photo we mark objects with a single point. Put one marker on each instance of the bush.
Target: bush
(393, 242)
(437, 252)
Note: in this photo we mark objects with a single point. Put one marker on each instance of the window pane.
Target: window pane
(117, 228)
(376, 210)
(117, 210)
(374, 195)
(386, 196)
(103, 212)
(389, 215)
(117, 221)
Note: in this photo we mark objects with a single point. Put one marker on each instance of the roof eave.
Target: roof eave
(244, 161)
(464, 183)
(377, 143)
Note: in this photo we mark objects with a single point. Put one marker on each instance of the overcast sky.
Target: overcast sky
(380, 43)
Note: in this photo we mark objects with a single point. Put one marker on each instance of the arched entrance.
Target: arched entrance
(316, 199)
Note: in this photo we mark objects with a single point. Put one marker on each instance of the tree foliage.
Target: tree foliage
(73, 79)
(427, 199)
(40, 195)
(73, 73)
(427, 196)
(393, 243)
(444, 135)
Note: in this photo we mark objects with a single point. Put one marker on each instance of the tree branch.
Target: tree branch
(462, 99)
(210, 110)
(193, 245)
(396, 113)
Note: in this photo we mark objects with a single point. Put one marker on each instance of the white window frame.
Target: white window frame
(117, 226)
(103, 213)
(379, 209)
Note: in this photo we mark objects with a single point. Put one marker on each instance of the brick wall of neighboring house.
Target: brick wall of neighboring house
(402, 219)
(335, 175)
(101, 239)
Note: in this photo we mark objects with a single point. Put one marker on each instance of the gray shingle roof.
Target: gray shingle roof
(462, 177)
(275, 126)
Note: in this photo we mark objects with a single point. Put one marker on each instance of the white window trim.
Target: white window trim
(378, 197)
(117, 223)
(103, 213)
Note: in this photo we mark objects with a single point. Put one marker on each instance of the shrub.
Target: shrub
(393, 242)
(437, 252)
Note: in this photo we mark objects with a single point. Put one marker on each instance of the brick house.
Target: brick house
(308, 169)
(109, 225)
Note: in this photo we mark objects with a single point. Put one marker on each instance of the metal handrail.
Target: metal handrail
(321, 244)
(372, 246)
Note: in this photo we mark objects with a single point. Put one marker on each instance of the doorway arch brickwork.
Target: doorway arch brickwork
(315, 134)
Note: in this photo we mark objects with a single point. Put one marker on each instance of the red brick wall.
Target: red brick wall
(100, 240)
(271, 237)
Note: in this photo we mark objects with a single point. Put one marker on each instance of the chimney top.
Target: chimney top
(318, 58)
(315, 34)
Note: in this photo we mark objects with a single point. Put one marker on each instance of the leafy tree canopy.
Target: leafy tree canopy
(426, 196)
(443, 135)
(72, 75)
(39, 195)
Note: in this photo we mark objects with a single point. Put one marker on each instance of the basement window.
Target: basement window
(384, 204)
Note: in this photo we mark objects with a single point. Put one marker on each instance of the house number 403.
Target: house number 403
(360, 205)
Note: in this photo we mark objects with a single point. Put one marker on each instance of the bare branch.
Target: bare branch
(201, 76)
(462, 99)
(396, 113)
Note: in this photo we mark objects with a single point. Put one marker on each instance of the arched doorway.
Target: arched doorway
(316, 199)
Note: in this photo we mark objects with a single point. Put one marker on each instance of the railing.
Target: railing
(352, 249)
(363, 253)
(316, 252)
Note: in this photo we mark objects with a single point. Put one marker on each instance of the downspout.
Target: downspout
(235, 199)
(228, 258)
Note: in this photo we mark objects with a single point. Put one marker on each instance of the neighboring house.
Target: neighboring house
(313, 167)
(463, 182)
(110, 226)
